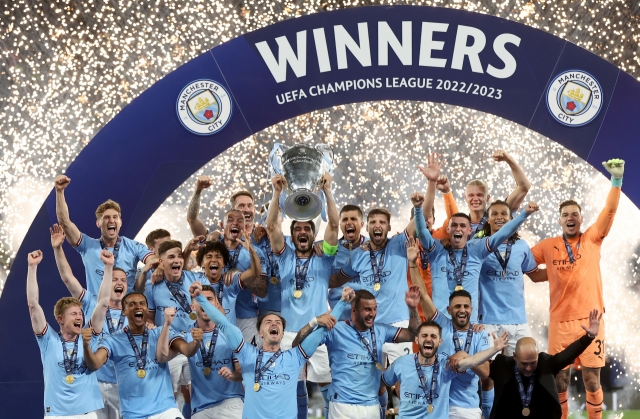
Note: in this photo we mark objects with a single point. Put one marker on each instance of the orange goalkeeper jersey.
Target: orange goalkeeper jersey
(576, 290)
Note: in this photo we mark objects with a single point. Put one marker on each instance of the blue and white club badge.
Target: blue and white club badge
(574, 98)
(204, 107)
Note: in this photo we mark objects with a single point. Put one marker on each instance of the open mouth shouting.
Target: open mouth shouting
(214, 268)
(462, 318)
(350, 232)
(119, 290)
(457, 238)
(111, 229)
(303, 240)
(138, 315)
(377, 235)
(274, 332)
(427, 348)
(176, 269)
(77, 324)
(248, 216)
(234, 232)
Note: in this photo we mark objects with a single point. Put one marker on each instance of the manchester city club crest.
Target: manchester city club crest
(574, 98)
(204, 107)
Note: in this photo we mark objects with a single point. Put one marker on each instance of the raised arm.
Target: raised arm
(417, 199)
(571, 352)
(273, 226)
(413, 251)
(450, 205)
(511, 227)
(38, 320)
(231, 332)
(195, 223)
(412, 298)
(331, 232)
(516, 197)
(432, 172)
(252, 278)
(71, 231)
(188, 349)
(104, 294)
(94, 360)
(499, 343)
(605, 219)
(327, 320)
(421, 228)
(163, 351)
(72, 283)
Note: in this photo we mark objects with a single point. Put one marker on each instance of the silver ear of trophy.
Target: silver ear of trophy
(302, 167)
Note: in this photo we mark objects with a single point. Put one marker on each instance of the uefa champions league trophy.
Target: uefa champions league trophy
(302, 166)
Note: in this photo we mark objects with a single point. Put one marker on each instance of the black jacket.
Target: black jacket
(502, 372)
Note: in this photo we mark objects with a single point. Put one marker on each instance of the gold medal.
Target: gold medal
(430, 408)
(376, 286)
(459, 288)
(274, 280)
(142, 373)
(297, 294)
(193, 316)
(526, 411)
(69, 379)
(378, 366)
(207, 371)
(256, 387)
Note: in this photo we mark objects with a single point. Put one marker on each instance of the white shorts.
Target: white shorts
(172, 413)
(352, 411)
(319, 371)
(180, 373)
(393, 351)
(90, 415)
(456, 412)
(249, 330)
(228, 409)
(111, 409)
(515, 331)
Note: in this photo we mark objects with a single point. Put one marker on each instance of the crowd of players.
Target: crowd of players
(433, 316)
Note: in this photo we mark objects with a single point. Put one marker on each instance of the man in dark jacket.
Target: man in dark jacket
(525, 385)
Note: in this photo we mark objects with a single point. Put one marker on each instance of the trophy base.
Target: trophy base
(302, 205)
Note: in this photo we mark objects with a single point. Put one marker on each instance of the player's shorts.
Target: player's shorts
(249, 331)
(515, 331)
(228, 409)
(318, 364)
(563, 334)
(456, 412)
(90, 415)
(393, 351)
(180, 373)
(351, 411)
(172, 413)
(111, 409)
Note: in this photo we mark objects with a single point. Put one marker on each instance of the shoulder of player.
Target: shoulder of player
(442, 320)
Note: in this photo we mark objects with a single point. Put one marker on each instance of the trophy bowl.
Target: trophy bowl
(302, 167)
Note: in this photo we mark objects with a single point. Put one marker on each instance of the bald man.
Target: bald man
(525, 385)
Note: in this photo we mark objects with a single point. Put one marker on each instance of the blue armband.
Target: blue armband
(616, 182)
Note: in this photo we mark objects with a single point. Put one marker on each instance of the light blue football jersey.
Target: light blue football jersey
(246, 302)
(345, 249)
(62, 399)
(393, 278)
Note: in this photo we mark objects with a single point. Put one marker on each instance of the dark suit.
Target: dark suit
(544, 403)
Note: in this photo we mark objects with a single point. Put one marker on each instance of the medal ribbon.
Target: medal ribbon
(467, 343)
(377, 264)
(259, 371)
(301, 273)
(69, 361)
(365, 342)
(110, 322)
(572, 259)
(220, 290)
(480, 225)
(423, 380)
(458, 271)
(507, 255)
(233, 258)
(525, 397)
(207, 356)
(141, 354)
(116, 248)
(174, 289)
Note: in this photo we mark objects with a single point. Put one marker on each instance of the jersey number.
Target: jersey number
(600, 344)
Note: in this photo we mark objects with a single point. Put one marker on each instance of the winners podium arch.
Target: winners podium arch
(300, 65)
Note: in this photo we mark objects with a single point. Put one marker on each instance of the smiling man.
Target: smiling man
(104, 308)
(70, 388)
(141, 359)
(425, 378)
(270, 373)
(525, 383)
(575, 284)
(127, 252)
